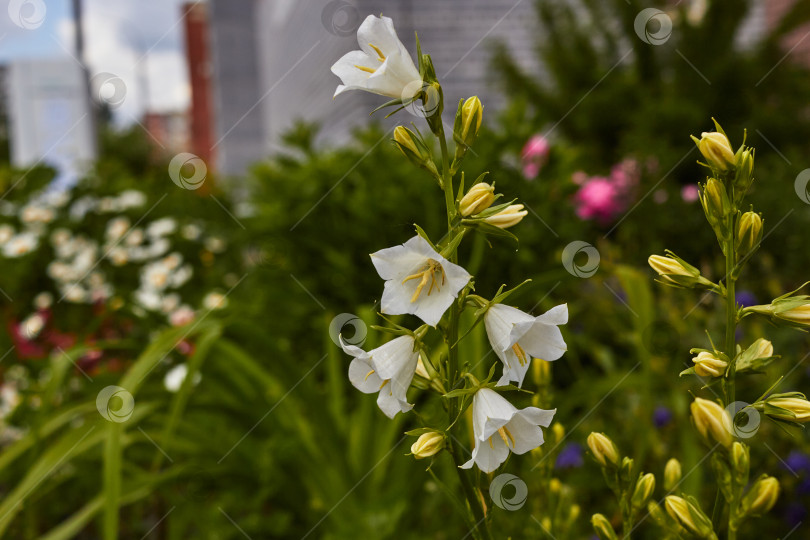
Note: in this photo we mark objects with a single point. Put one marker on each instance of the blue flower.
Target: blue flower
(661, 416)
(746, 298)
(570, 457)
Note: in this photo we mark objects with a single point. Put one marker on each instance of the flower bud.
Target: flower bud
(689, 516)
(745, 171)
(761, 348)
(554, 485)
(467, 125)
(478, 198)
(799, 315)
(740, 461)
(559, 432)
(603, 449)
(708, 365)
(428, 444)
(666, 266)
(716, 206)
(712, 421)
(508, 217)
(798, 410)
(644, 490)
(749, 233)
(626, 471)
(413, 148)
(761, 497)
(676, 272)
(573, 514)
(716, 148)
(421, 370)
(672, 474)
(602, 527)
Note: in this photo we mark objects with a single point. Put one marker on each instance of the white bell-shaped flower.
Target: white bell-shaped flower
(418, 280)
(381, 66)
(388, 369)
(517, 337)
(499, 428)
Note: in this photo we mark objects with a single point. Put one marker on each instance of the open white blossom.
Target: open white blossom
(6, 233)
(388, 369)
(381, 66)
(517, 337)
(499, 428)
(20, 244)
(418, 280)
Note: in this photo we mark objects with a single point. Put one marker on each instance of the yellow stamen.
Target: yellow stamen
(368, 375)
(428, 274)
(520, 353)
(379, 53)
(504, 433)
(386, 381)
(366, 69)
(490, 443)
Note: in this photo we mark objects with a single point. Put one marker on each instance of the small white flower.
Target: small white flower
(134, 238)
(174, 377)
(382, 66)
(34, 213)
(117, 227)
(388, 369)
(32, 325)
(215, 244)
(118, 256)
(182, 315)
(6, 233)
(191, 231)
(214, 300)
(43, 300)
(170, 303)
(517, 337)
(148, 299)
(161, 227)
(158, 247)
(74, 293)
(418, 280)
(131, 199)
(499, 428)
(20, 244)
(181, 276)
(155, 276)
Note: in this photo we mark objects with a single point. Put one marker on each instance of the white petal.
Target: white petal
(394, 76)
(491, 411)
(430, 308)
(396, 360)
(362, 376)
(380, 32)
(540, 339)
(357, 352)
(389, 404)
(489, 454)
(556, 315)
(527, 436)
(500, 321)
(398, 262)
(538, 417)
(346, 68)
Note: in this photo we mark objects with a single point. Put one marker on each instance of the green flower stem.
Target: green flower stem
(473, 502)
(731, 346)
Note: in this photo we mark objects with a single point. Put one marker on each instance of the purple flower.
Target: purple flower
(662, 416)
(797, 461)
(746, 298)
(570, 456)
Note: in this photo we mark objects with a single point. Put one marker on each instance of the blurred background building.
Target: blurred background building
(255, 67)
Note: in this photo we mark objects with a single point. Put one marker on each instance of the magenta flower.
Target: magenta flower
(600, 199)
(534, 155)
(690, 193)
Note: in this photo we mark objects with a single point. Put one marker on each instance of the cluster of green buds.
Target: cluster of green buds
(634, 490)
(477, 211)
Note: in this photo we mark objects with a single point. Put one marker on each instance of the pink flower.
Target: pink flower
(690, 193)
(599, 198)
(534, 155)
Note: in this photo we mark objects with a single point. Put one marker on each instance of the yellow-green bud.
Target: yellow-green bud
(761, 497)
(716, 148)
(477, 199)
(708, 365)
(799, 409)
(712, 421)
(745, 171)
(678, 273)
(602, 527)
(798, 314)
(573, 515)
(559, 432)
(672, 474)
(508, 217)
(666, 266)
(749, 233)
(428, 444)
(554, 485)
(603, 450)
(414, 149)
(716, 206)
(468, 123)
(740, 461)
(764, 349)
(689, 516)
(644, 490)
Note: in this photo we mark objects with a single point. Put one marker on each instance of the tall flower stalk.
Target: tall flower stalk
(423, 278)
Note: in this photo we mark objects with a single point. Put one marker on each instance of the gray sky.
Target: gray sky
(136, 40)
